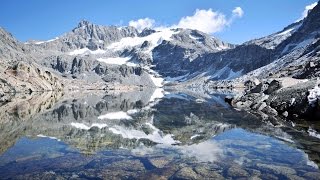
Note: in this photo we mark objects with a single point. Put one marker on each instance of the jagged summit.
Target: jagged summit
(84, 23)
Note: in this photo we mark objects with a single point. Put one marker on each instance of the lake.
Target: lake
(149, 134)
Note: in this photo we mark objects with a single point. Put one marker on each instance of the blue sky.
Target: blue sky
(46, 19)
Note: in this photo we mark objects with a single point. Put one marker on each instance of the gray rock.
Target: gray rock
(283, 170)
(262, 106)
(236, 171)
(159, 162)
(312, 175)
(186, 173)
(208, 174)
(273, 86)
(269, 110)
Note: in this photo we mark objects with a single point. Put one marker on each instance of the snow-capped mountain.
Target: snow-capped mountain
(110, 55)
(122, 54)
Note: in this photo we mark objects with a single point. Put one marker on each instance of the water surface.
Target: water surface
(143, 135)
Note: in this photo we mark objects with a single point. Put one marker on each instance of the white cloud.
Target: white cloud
(237, 12)
(141, 24)
(207, 21)
(306, 10)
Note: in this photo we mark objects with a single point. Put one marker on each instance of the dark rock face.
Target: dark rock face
(168, 57)
(311, 70)
(88, 35)
(185, 53)
(247, 57)
(60, 65)
(293, 100)
(221, 65)
(125, 70)
(99, 69)
(260, 88)
(272, 87)
(290, 102)
(146, 32)
(79, 66)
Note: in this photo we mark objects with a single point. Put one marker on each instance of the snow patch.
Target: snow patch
(313, 133)
(117, 61)
(194, 136)
(227, 73)
(86, 51)
(292, 101)
(50, 40)
(154, 39)
(115, 115)
(156, 80)
(286, 32)
(155, 136)
(287, 139)
(193, 37)
(85, 127)
(200, 100)
(157, 94)
(132, 111)
(41, 42)
(50, 137)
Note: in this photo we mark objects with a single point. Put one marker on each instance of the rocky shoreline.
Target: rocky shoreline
(274, 98)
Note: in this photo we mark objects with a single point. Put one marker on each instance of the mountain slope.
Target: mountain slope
(123, 55)
(19, 72)
(298, 55)
(113, 56)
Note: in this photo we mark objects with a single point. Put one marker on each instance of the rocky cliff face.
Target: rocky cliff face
(11, 50)
(19, 72)
(122, 55)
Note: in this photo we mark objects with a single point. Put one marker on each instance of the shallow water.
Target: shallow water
(139, 136)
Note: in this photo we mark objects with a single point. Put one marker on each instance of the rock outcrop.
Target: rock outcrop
(284, 97)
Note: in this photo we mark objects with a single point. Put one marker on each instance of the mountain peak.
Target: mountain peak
(83, 23)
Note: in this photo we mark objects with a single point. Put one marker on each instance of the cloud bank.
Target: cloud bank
(207, 21)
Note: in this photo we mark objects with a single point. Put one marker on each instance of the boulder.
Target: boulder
(273, 86)
(251, 84)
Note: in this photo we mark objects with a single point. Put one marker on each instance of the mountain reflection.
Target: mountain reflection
(144, 123)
